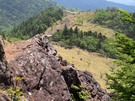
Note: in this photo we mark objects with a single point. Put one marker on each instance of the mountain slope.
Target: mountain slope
(93, 4)
(37, 24)
(83, 21)
(13, 12)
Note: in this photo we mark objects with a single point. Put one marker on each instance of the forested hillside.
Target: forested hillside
(36, 24)
(112, 19)
(13, 12)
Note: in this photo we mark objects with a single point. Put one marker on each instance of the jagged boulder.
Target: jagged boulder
(48, 77)
(84, 78)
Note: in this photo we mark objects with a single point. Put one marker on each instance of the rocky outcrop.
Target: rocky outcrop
(48, 77)
(41, 72)
(4, 77)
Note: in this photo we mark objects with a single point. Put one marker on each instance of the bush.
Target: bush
(81, 94)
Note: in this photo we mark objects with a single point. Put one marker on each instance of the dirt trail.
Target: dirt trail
(68, 20)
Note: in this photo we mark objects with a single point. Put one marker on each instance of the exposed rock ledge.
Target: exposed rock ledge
(46, 76)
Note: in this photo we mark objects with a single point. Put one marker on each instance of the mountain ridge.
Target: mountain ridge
(92, 5)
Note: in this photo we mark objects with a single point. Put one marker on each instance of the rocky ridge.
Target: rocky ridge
(47, 77)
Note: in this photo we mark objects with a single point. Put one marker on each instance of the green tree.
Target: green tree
(76, 31)
(65, 31)
(122, 79)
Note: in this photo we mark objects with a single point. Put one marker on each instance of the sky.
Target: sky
(125, 2)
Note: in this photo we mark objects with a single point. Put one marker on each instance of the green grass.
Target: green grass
(87, 24)
(12, 40)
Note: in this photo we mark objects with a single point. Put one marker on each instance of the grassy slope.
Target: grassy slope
(82, 21)
(84, 60)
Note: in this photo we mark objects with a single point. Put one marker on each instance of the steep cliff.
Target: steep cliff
(48, 77)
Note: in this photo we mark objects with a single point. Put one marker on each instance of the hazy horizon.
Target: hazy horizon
(125, 2)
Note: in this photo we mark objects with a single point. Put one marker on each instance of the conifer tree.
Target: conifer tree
(76, 31)
(122, 79)
(65, 32)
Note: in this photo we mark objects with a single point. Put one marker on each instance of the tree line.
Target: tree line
(91, 41)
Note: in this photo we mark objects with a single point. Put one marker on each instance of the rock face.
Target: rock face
(4, 77)
(48, 77)
(41, 72)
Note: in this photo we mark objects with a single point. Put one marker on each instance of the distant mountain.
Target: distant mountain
(13, 12)
(93, 4)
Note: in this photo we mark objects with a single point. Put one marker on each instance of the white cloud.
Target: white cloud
(125, 2)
